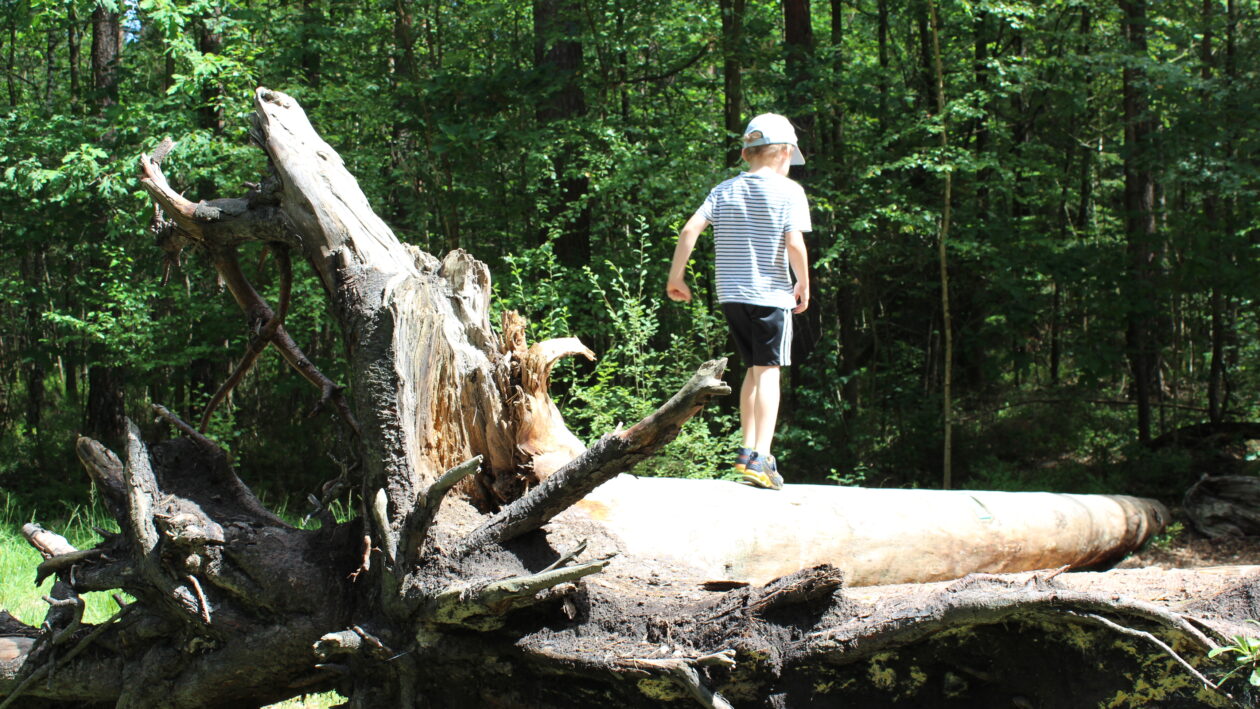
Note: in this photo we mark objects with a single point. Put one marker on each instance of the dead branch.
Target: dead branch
(218, 222)
(64, 562)
(684, 672)
(185, 428)
(857, 640)
(48, 667)
(480, 606)
(612, 454)
(49, 544)
(416, 526)
(350, 642)
(201, 598)
(106, 470)
(141, 528)
(258, 342)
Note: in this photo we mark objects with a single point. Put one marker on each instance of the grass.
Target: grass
(18, 593)
(21, 597)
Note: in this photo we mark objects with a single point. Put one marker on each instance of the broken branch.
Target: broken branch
(257, 343)
(48, 543)
(417, 525)
(683, 671)
(218, 222)
(481, 606)
(612, 454)
(47, 667)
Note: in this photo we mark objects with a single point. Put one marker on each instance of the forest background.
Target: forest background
(1098, 160)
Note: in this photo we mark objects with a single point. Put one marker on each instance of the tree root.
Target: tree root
(1106, 623)
(481, 606)
(684, 671)
(50, 665)
(857, 639)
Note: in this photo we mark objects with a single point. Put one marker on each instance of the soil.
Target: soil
(1190, 551)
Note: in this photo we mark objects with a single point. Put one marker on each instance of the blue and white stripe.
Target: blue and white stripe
(750, 214)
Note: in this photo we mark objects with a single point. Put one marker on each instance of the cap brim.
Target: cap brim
(797, 157)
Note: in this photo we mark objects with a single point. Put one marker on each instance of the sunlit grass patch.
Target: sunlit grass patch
(18, 560)
(310, 701)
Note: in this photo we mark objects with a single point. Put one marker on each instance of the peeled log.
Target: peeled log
(732, 532)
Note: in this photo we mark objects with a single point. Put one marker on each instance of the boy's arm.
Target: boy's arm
(676, 288)
(799, 261)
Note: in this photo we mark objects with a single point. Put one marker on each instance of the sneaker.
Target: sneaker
(741, 459)
(772, 470)
(762, 472)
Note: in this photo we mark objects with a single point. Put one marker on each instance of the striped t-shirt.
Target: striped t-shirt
(750, 214)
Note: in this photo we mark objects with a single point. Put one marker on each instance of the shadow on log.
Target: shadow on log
(473, 576)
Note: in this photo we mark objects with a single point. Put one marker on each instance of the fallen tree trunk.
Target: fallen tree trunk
(463, 581)
(1224, 505)
(875, 536)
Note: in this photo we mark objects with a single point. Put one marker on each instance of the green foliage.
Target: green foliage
(1168, 537)
(462, 137)
(632, 374)
(1246, 655)
(18, 559)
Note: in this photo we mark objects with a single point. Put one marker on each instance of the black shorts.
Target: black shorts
(763, 335)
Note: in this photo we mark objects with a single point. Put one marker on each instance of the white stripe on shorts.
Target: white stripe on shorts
(785, 345)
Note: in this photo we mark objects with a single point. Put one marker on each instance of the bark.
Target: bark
(1225, 505)
(72, 44)
(1141, 338)
(947, 322)
(558, 55)
(105, 49)
(470, 577)
(732, 75)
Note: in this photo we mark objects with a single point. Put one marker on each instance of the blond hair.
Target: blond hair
(757, 151)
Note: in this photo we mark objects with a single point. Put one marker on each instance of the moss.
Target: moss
(961, 635)
(917, 679)
(1166, 685)
(882, 676)
(661, 690)
(1078, 636)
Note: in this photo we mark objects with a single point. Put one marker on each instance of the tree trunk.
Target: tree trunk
(1141, 227)
(105, 408)
(732, 83)
(463, 580)
(883, 77)
(105, 48)
(558, 56)
(942, 239)
(72, 44)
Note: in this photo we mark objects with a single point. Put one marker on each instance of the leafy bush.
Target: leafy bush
(640, 365)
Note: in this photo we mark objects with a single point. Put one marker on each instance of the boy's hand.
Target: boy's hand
(678, 290)
(801, 293)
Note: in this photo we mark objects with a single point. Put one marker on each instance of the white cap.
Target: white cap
(773, 129)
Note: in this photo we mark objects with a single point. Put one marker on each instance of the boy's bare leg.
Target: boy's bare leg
(748, 409)
(765, 406)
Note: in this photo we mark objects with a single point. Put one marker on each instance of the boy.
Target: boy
(758, 220)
